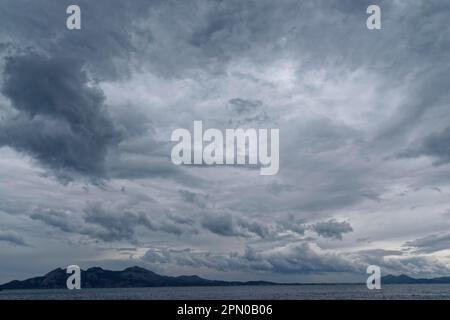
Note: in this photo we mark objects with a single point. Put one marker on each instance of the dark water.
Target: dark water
(423, 291)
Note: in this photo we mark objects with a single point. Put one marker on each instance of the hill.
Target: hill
(128, 278)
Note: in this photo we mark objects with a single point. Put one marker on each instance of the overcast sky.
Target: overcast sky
(86, 117)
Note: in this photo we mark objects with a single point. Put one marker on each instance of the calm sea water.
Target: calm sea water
(423, 291)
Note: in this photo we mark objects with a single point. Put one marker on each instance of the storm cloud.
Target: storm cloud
(61, 118)
(430, 243)
(435, 146)
(332, 229)
(12, 238)
(292, 259)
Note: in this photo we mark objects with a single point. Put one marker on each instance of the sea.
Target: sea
(279, 292)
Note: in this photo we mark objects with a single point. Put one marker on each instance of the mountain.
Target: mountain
(134, 277)
(404, 279)
(128, 278)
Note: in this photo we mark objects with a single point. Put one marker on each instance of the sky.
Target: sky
(86, 117)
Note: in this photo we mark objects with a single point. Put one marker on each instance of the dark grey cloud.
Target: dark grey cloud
(416, 266)
(247, 112)
(233, 226)
(198, 199)
(111, 223)
(332, 228)
(278, 188)
(220, 224)
(108, 223)
(434, 145)
(293, 223)
(399, 262)
(241, 106)
(380, 253)
(263, 230)
(116, 226)
(57, 219)
(297, 259)
(62, 120)
(430, 243)
(12, 238)
(105, 42)
(292, 259)
(109, 229)
(134, 166)
(364, 240)
(51, 76)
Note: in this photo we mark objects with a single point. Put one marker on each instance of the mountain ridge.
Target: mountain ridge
(133, 277)
(404, 279)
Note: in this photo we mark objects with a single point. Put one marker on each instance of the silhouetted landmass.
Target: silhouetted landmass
(135, 277)
(403, 279)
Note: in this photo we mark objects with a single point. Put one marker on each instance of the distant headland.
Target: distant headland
(135, 277)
